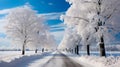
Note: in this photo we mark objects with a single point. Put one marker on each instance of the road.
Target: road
(61, 60)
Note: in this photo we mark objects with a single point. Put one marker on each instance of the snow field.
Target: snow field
(101, 61)
(18, 60)
(8, 56)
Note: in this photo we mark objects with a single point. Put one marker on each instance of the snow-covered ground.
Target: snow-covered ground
(30, 59)
(8, 56)
(41, 62)
(96, 61)
(101, 61)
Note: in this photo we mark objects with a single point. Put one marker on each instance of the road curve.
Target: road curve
(61, 60)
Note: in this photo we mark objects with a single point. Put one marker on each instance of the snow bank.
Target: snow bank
(8, 56)
(18, 60)
(101, 61)
(95, 61)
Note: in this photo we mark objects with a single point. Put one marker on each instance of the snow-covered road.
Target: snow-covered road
(61, 60)
(55, 59)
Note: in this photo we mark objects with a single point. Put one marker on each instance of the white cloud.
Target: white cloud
(5, 11)
(60, 26)
(51, 16)
(50, 3)
(57, 29)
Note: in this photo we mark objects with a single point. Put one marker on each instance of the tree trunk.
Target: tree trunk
(77, 50)
(88, 49)
(36, 50)
(23, 50)
(102, 47)
(42, 49)
(72, 50)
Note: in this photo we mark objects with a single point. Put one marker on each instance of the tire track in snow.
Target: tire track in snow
(61, 60)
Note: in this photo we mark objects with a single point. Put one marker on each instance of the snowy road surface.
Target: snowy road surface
(61, 60)
(55, 59)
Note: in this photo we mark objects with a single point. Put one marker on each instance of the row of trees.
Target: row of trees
(95, 21)
(27, 29)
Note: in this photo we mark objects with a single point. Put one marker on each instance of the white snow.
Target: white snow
(96, 61)
(76, 59)
(30, 59)
(41, 62)
(8, 56)
(101, 61)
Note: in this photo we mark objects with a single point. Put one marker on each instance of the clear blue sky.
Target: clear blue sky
(51, 9)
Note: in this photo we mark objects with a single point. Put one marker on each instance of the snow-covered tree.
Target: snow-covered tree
(94, 18)
(38, 38)
(76, 18)
(23, 26)
(50, 41)
(70, 40)
(103, 14)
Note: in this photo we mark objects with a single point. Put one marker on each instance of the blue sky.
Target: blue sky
(50, 9)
